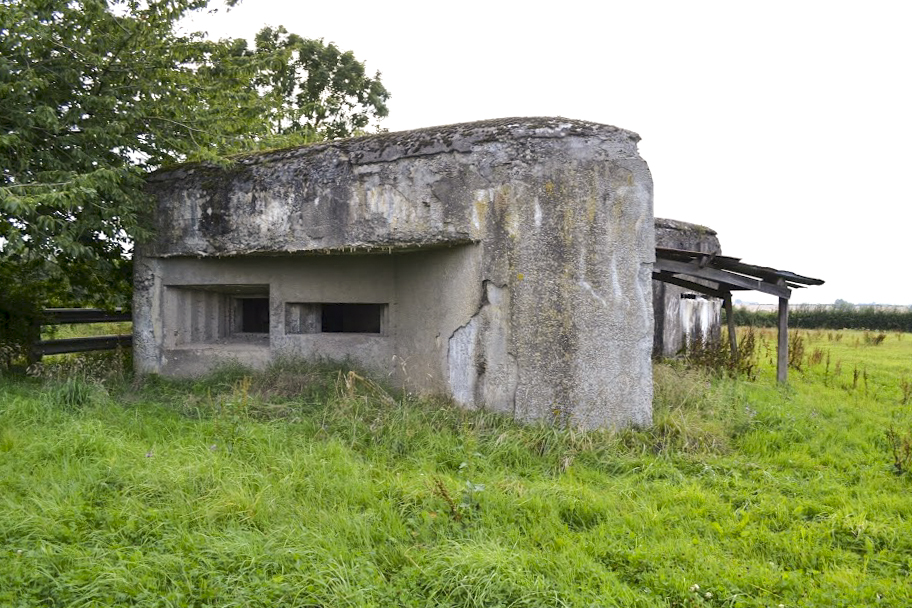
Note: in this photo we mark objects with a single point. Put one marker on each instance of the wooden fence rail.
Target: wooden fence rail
(67, 316)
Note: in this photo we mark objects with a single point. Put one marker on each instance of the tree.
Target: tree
(96, 93)
(314, 88)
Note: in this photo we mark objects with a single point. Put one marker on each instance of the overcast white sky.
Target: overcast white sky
(785, 126)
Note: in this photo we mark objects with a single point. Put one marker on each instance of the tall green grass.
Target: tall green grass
(313, 486)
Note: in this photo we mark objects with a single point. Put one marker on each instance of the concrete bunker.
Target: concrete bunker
(504, 263)
(683, 316)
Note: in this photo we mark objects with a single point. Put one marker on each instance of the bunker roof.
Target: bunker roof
(669, 224)
(389, 191)
(460, 137)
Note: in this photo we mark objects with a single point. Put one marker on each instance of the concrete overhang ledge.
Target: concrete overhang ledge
(414, 189)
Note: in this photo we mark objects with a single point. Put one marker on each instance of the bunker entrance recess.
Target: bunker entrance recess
(218, 314)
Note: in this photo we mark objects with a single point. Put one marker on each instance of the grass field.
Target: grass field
(308, 486)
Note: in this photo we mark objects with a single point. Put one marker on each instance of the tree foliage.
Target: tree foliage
(312, 87)
(89, 99)
(96, 93)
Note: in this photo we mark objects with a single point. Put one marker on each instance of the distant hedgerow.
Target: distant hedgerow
(859, 317)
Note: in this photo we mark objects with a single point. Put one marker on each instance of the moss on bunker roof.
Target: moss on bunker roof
(461, 137)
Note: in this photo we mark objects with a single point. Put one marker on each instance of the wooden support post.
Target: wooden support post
(783, 348)
(730, 316)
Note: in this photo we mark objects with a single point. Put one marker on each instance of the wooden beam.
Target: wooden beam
(665, 252)
(767, 274)
(667, 277)
(783, 346)
(61, 316)
(730, 317)
(81, 345)
(722, 277)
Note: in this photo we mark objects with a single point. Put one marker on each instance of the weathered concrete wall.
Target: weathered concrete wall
(683, 316)
(512, 258)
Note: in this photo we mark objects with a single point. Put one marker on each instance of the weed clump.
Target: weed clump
(872, 339)
(796, 351)
(717, 357)
(905, 386)
(816, 357)
(900, 445)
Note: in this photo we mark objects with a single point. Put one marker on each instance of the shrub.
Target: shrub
(20, 317)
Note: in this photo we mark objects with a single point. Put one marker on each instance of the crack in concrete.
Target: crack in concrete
(469, 349)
